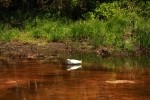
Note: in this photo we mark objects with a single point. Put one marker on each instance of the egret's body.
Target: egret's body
(73, 61)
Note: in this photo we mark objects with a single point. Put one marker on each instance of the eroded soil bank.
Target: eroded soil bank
(33, 51)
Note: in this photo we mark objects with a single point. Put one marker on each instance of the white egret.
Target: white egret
(74, 61)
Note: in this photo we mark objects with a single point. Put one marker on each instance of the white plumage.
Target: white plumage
(73, 61)
(74, 67)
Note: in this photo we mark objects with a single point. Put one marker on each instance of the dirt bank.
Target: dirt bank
(28, 50)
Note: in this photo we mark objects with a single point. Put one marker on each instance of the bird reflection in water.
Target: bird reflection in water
(74, 67)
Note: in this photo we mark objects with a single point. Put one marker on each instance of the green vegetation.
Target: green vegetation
(121, 25)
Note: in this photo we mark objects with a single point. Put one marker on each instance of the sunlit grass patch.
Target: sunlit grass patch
(9, 34)
(52, 31)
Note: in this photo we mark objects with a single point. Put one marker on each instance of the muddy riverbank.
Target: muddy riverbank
(50, 50)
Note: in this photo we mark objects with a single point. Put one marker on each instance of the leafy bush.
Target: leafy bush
(108, 10)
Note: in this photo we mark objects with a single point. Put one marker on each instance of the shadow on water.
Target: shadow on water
(112, 78)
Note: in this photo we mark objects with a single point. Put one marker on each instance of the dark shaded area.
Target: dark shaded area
(69, 8)
(16, 12)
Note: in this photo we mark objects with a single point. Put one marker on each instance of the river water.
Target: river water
(113, 78)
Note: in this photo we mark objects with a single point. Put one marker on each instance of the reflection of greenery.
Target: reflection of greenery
(114, 63)
(88, 57)
(143, 61)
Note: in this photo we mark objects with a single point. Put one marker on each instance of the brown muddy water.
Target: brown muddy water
(97, 78)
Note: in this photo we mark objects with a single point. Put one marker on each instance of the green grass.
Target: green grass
(8, 34)
(119, 32)
(51, 31)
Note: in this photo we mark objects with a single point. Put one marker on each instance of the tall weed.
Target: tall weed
(143, 34)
